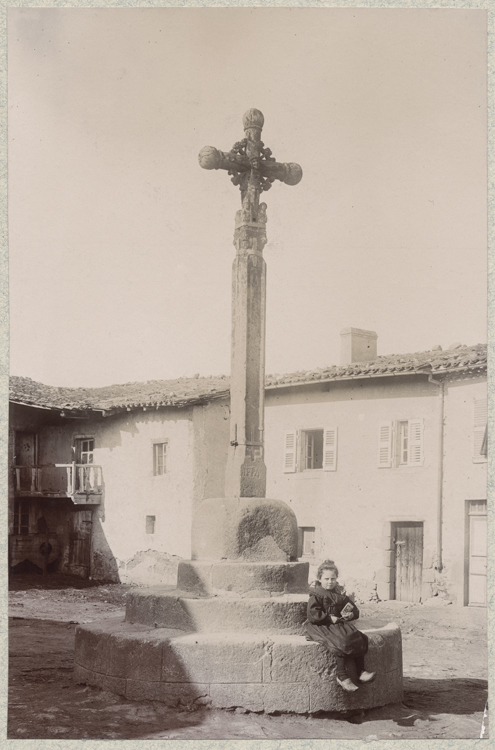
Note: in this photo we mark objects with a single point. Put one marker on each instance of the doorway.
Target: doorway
(477, 553)
(80, 524)
(25, 459)
(407, 537)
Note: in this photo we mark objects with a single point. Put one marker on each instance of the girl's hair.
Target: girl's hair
(327, 565)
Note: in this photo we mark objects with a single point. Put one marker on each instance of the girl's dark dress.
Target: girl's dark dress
(342, 638)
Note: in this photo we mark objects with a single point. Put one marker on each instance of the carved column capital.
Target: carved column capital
(250, 236)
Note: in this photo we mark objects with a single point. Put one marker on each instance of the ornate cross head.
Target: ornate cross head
(250, 164)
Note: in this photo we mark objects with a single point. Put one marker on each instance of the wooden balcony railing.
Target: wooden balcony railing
(59, 480)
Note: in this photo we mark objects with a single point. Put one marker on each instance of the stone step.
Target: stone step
(161, 608)
(254, 671)
(210, 577)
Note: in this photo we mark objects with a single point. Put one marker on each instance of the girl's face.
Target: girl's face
(328, 580)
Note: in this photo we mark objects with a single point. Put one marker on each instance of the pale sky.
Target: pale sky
(121, 245)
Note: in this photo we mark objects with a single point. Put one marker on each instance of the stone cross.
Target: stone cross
(253, 168)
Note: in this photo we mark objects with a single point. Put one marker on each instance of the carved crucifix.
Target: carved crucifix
(253, 169)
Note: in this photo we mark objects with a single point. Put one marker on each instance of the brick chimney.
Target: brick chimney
(357, 345)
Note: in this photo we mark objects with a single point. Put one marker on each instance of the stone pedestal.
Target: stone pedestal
(232, 632)
(258, 671)
(248, 528)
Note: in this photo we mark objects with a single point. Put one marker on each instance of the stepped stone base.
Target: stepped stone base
(208, 578)
(255, 671)
(157, 608)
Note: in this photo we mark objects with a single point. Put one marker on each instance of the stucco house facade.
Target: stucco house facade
(384, 464)
(382, 459)
(115, 474)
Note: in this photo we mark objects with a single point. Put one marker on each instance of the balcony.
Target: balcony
(83, 483)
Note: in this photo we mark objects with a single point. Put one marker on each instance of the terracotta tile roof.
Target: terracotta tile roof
(179, 392)
(436, 361)
(186, 391)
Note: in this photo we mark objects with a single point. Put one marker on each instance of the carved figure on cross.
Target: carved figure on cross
(251, 166)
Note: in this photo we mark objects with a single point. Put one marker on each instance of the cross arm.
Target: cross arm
(212, 158)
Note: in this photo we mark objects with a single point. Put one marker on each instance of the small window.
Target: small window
(159, 459)
(407, 436)
(306, 539)
(480, 430)
(150, 524)
(84, 450)
(312, 447)
(403, 442)
(307, 450)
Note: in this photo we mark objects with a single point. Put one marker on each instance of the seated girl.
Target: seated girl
(330, 613)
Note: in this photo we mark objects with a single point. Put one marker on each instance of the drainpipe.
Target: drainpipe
(440, 383)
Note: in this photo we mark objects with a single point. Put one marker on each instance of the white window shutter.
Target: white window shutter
(415, 452)
(385, 432)
(330, 448)
(479, 426)
(290, 446)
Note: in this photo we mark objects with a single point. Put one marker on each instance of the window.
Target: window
(150, 524)
(407, 437)
(306, 450)
(312, 449)
(84, 450)
(306, 541)
(21, 517)
(159, 458)
(480, 430)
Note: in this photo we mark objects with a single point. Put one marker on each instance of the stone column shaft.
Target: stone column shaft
(246, 471)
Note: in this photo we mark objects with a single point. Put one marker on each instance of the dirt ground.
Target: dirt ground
(445, 677)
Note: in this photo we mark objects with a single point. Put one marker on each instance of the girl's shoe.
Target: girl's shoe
(367, 676)
(347, 685)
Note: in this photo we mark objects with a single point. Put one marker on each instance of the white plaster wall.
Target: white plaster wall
(123, 447)
(352, 507)
(463, 480)
(211, 441)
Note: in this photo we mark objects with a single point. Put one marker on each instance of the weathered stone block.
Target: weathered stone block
(230, 696)
(294, 659)
(232, 527)
(103, 681)
(174, 695)
(286, 697)
(267, 615)
(121, 655)
(384, 650)
(158, 607)
(195, 575)
(329, 696)
(241, 577)
(213, 658)
(93, 648)
(284, 613)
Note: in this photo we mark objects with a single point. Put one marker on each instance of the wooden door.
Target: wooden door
(25, 456)
(408, 541)
(80, 524)
(477, 554)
